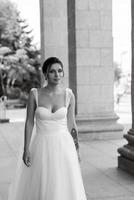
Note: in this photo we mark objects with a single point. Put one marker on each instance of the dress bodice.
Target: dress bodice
(44, 114)
(48, 122)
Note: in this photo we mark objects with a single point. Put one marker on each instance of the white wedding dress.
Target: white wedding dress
(55, 172)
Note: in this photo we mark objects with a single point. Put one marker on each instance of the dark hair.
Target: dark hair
(49, 62)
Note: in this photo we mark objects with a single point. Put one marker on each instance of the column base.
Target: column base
(99, 127)
(126, 164)
(126, 158)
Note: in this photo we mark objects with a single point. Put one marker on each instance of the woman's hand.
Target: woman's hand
(26, 158)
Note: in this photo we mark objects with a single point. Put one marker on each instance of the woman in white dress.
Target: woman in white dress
(50, 167)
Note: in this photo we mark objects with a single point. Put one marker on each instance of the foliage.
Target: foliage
(19, 58)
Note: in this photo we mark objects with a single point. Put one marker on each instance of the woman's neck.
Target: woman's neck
(53, 88)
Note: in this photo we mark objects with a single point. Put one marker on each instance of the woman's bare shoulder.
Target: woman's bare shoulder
(41, 89)
(69, 89)
(70, 92)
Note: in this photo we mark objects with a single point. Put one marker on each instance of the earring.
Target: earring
(63, 74)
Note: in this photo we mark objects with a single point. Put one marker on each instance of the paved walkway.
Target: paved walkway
(102, 179)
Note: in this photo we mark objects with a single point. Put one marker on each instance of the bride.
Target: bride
(49, 169)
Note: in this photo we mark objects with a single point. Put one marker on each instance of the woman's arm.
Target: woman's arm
(31, 105)
(72, 127)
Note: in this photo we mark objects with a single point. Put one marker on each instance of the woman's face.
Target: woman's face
(55, 74)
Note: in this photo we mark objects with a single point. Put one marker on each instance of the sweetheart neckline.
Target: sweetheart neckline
(50, 110)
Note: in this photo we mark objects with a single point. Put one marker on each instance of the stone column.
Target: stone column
(126, 158)
(95, 73)
(54, 31)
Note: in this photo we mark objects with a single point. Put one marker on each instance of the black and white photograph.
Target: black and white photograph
(66, 99)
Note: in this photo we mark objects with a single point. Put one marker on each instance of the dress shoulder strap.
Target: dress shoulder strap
(68, 96)
(35, 92)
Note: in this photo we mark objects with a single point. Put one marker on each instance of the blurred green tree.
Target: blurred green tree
(19, 57)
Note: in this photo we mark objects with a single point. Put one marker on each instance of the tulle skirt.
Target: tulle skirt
(54, 173)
